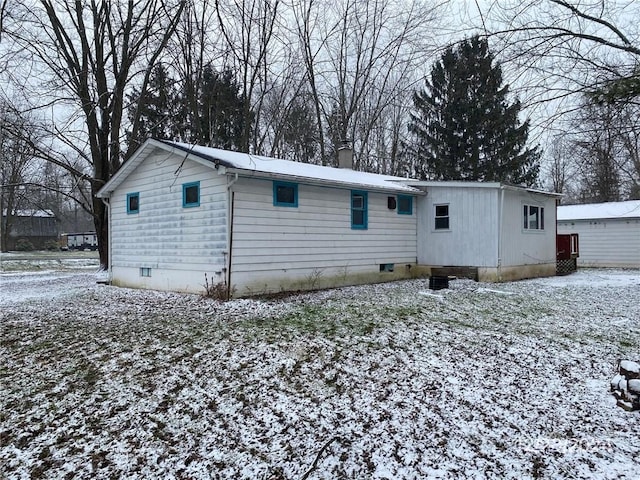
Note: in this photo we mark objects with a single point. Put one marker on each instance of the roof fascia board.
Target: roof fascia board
(140, 155)
(463, 184)
(532, 190)
(322, 182)
(451, 184)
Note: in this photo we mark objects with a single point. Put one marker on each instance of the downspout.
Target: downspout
(110, 243)
(500, 231)
(555, 241)
(231, 198)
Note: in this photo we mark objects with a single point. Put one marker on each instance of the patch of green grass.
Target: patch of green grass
(332, 321)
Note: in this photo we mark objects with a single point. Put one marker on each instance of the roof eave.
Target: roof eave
(142, 153)
(325, 182)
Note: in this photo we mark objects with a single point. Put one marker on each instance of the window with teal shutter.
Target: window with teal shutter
(358, 210)
(285, 194)
(405, 205)
(191, 194)
(133, 202)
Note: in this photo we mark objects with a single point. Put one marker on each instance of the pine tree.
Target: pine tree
(160, 111)
(463, 127)
(209, 112)
(221, 106)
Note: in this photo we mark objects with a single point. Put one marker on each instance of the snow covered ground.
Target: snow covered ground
(381, 381)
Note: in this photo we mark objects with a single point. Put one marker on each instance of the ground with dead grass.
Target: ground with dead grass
(382, 381)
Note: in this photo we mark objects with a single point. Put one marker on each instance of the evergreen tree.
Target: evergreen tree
(221, 118)
(463, 127)
(208, 112)
(160, 111)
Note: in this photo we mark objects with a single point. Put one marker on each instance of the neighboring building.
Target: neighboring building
(37, 227)
(178, 212)
(79, 241)
(489, 231)
(609, 233)
(262, 225)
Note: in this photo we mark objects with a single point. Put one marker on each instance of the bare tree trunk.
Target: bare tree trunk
(93, 64)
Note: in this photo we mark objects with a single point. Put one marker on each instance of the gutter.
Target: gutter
(325, 182)
(230, 212)
(500, 230)
(107, 203)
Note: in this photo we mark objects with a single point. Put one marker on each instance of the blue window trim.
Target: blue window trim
(184, 195)
(410, 210)
(364, 209)
(133, 195)
(276, 203)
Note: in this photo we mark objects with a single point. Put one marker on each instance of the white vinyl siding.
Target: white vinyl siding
(179, 244)
(532, 246)
(606, 242)
(479, 234)
(272, 244)
(471, 239)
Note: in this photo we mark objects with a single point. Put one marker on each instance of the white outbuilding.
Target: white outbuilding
(609, 233)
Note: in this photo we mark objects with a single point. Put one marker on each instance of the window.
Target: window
(533, 217)
(574, 244)
(145, 271)
(191, 194)
(405, 205)
(358, 210)
(133, 202)
(442, 217)
(285, 194)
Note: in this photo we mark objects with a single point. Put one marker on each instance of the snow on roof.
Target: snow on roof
(475, 184)
(31, 213)
(296, 170)
(628, 209)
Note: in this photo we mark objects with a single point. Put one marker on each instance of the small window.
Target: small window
(285, 194)
(145, 271)
(442, 217)
(533, 217)
(405, 205)
(133, 202)
(358, 210)
(191, 194)
(574, 244)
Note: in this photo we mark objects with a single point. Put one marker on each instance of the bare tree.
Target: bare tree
(559, 173)
(89, 53)
(598, 153)
(564, 47)
(248, 28)
(358, 56)
(17, 158)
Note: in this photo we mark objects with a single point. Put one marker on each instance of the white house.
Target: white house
(609, 233)
(256, 224)
(493, 231)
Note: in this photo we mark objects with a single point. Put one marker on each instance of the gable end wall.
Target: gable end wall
(180, 245)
